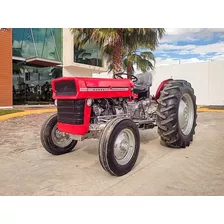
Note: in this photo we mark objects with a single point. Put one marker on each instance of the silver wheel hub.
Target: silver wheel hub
(124, 146)
(186, 114)
(60, 139)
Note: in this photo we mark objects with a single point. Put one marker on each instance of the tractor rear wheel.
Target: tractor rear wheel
(177, 114)
(119, 146)
(53, 140)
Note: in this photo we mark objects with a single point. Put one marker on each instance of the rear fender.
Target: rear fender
(160, 88)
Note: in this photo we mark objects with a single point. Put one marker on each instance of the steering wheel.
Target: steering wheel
(119, 75)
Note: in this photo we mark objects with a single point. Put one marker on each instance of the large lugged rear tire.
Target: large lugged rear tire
(119, 146)
(53, 140)
(177, 114)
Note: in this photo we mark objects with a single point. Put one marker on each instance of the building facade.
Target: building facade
(32, 57)
(81, 62)
(6, 67)
(35, 55)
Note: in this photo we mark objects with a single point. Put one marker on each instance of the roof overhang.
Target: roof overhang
(15, 58)
(86, 67)
(42, 62)
(36, 61)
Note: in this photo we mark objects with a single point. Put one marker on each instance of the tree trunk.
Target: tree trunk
(117, 53)
(130, 69)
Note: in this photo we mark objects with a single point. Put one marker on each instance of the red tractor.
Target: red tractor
(114, 110)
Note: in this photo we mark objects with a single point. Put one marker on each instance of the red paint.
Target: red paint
(83, 82)
(135, 96)
(77, 129)
(160, 88)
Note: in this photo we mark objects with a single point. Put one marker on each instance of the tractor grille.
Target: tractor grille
(71, 111)
(65, 88)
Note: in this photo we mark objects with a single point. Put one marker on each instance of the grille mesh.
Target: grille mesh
(71, 111)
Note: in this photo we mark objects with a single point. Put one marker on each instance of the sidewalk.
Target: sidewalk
(53, 109)
(28, 112)
(211, 109)
(33, 107)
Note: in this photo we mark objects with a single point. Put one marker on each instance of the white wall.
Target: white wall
(68, 47)
(195, 73)
(216, 80)
(76, 71)
(207, 79)
(70, 68)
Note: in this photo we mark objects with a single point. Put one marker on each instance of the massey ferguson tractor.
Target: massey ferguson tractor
(113, 111)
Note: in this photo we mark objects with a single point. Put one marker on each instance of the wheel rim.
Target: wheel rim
(186, 114)
(59, 138)
(124, 146)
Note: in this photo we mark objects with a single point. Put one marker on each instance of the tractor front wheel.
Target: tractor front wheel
(177, 114)
(54, 141)
(119, 146)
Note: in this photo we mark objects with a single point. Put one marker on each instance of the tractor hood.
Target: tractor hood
(85, 87)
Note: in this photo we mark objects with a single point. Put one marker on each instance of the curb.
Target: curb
(26, 112)
(41, 111)
(210, 110)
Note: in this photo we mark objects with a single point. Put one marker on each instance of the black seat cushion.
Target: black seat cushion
(140, 89)
(143, 83)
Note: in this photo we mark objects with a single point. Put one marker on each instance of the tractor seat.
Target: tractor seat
(140, 89)
(144, 82)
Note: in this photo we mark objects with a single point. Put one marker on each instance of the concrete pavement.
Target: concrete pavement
(27, 169)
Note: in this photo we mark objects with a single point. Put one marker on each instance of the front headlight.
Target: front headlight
(56, 102)
(89, 102)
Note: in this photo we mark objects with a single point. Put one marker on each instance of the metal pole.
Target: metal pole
(22, 40)
(44, 43)
(33, 42)
(55, 44)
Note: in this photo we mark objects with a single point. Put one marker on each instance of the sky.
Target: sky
(190, 45)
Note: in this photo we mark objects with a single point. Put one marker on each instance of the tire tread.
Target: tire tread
(167, 114)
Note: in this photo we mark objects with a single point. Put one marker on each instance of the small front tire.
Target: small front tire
(53, 140)
(119, 146)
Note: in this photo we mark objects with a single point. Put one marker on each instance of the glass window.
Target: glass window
(32, 85)
(38, 42)
(89, 54)
(57, 33)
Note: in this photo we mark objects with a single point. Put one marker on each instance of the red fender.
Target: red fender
(160, 88)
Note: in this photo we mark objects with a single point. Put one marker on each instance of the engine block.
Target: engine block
(135, 109)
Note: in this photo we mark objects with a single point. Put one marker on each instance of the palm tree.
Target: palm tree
(56, 72)
(102, 36)
(144, 61)
(117, 42)
(141, 38)
(79, 54)
(18, 68)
